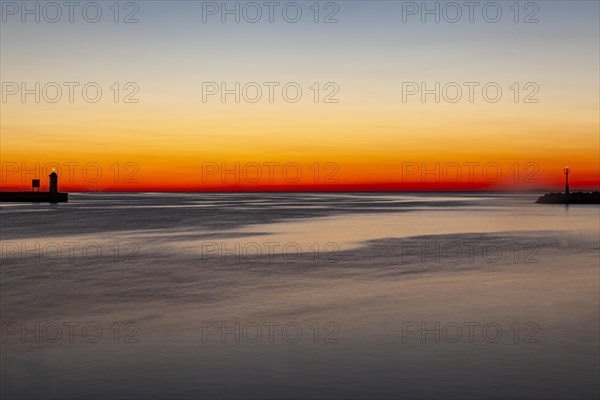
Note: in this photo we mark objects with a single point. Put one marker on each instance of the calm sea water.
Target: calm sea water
(300, 296)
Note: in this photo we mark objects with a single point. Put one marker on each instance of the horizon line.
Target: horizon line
(311, 191)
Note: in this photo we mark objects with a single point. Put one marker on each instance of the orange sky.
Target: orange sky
(131, 147)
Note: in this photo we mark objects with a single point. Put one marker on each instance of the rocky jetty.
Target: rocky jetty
(570, 198)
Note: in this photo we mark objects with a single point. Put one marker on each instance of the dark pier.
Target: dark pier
(569, 198)
(33, 197)
(51, 196)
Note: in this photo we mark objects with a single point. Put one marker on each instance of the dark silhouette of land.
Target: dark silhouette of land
(51, 196)
(33, 197)
(569, 198)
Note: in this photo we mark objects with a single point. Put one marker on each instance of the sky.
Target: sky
(378, 95)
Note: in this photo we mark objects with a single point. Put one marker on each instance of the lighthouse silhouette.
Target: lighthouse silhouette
(53, 182)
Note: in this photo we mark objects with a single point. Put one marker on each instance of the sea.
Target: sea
(300, 296)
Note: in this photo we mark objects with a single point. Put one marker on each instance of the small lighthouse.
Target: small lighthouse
(567, 180)
(53, 182)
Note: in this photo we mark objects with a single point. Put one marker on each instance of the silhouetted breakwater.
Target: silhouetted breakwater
(34, 197)
(570, 198)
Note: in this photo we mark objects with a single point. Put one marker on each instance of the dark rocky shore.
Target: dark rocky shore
(570, 198)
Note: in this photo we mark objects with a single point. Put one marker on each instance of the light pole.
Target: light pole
(567, 180)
